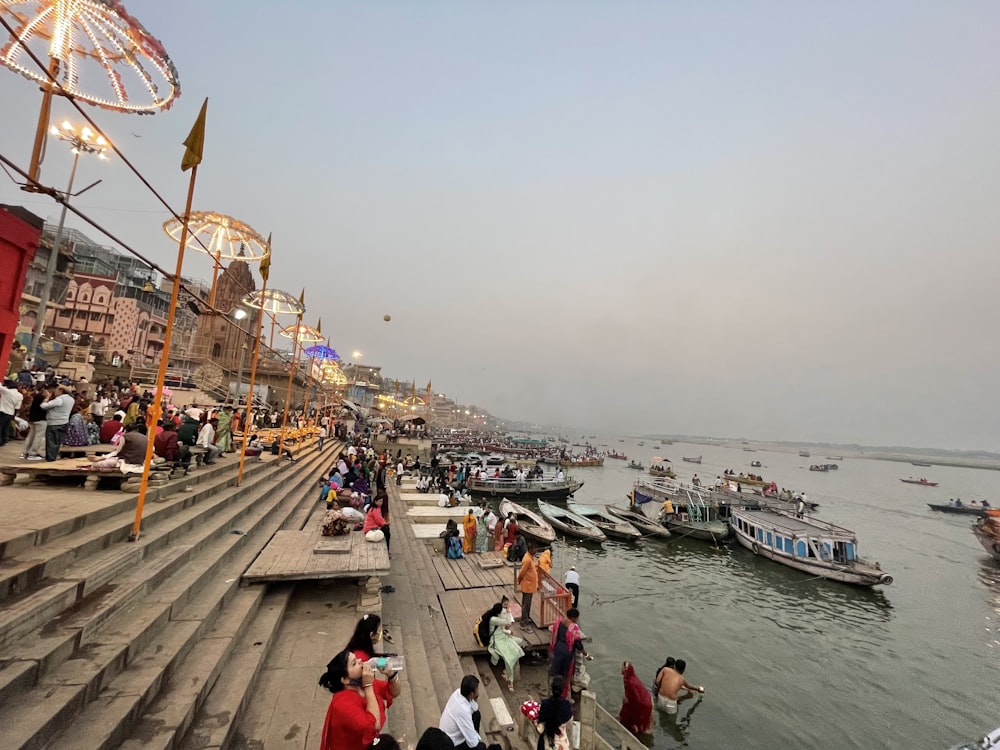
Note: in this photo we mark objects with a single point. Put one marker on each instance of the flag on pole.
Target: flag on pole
(265, 262)
(319, 326)
(302, 302)
(194, 144)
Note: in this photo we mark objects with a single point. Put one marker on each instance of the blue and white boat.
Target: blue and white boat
(807, 544)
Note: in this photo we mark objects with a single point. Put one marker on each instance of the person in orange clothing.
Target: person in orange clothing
(527, 583)
(545, 560)
(469, 541)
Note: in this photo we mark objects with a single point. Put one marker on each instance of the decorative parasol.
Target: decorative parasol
(302, 333)
(321, 351)
(84, 39)
(274, 301)
(332, 374)
(220, 236)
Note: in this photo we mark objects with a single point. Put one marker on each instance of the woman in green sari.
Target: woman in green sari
(503, 643)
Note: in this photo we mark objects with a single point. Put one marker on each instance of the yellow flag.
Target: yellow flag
(302, 302)
(265, 262)
(194, 144)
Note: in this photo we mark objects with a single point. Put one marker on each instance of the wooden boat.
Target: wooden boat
(640, 443)
(661, 470)
(553, 489)
(570, 523)
(755, 464)
(691, 459)
(745, 480)
(919, 463)
(834, 458)
(697, 521)
(819, 467)
(987, 531)
(636, 465)
(529, 523)
(639, 520)
(921, 482)
(968, 510)
(576, 463)
(804, 454)
(619, 456)
(807, 544)
(612, 526)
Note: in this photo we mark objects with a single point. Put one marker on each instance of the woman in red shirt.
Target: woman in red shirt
(376, 521)
(352, 720)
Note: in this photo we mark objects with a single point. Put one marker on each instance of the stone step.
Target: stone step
(93, 533)
(154, 703)
(105, 638)
(434, 515)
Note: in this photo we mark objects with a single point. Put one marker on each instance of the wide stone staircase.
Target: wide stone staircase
(110, 643)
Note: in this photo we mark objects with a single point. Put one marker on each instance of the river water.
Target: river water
(789, 661)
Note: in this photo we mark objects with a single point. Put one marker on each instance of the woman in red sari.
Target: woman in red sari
(565, 642)
(352, 720)
(637, 708)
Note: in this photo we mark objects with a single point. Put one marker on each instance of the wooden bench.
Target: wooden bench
(74, 467)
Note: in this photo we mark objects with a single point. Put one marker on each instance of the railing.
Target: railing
(502, 484)
(555, 599)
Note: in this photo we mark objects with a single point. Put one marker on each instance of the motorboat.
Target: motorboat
(613, 527)
(921, 482)
(968, 510)
(495, 459)
(807, 544)
(691, 459)
(619, 456)
(745, 479)
(576, 462)
(804, 454)
(636, 465)
(694, 512)
(645, 524)
(755, 464)
(570, 523)
(662, 470)
(529, 523)
(553, 489)
(991, 740)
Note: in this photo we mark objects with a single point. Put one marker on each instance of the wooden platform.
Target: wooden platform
(308, 555)
(475, 571)
(462, 608)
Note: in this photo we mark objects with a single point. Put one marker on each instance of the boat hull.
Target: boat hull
(536, 527)
(704, 531)
(990, 543)
(962, 510)
(643, 523)
(523, 490)
(612, 526)
(580, 527)
(919, 483)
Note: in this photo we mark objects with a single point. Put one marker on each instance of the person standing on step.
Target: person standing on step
(527, 583)
(57, 408)
(572, 581)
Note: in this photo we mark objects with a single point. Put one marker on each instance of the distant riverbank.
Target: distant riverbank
(820, 452)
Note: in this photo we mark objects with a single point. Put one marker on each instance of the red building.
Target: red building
(19, 233)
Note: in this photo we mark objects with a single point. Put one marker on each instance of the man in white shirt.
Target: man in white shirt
(57, 412)
(572, 581)
(10, 401)
(460, 718)
(322, 437)
(206, 439)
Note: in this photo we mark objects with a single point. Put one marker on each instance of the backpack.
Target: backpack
(482, 631)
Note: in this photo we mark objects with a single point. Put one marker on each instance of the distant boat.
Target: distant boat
(575, 462)
(921, 482)
(838, 458)
(691, 459)
(756, 464)
(749, 450)
(969, 510)
(619, 456)
(570, 523)
(640, 443)
(636, 465)
(804, 454)
(987, 531)
(807, 544)
(612, 526)
(919, 463)
(662, 470)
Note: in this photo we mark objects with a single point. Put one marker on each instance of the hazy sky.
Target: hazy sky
(770, 219)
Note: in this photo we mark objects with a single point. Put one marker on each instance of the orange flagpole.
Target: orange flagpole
(192, 158)
(288, 391)
(265, 271)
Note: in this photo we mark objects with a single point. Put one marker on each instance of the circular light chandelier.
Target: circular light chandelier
(302, 333)
(219, 235)
(274, 301)
(84, 39)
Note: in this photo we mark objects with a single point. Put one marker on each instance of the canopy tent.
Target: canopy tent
(351, 406)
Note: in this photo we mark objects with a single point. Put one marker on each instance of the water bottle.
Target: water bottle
(388, 663)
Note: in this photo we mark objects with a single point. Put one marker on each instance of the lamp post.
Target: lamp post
(240, 314)
(86, 141)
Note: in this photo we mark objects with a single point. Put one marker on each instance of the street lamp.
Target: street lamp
(240, 313)
(84, 141)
